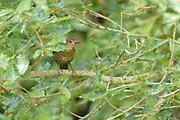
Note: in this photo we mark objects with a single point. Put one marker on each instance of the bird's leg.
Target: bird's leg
(73, 71)
(59, 70)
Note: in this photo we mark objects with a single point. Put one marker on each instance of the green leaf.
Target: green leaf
(170, 45)
(60, 39)
(57, 32)
(66, 94)
(100, 85)
(22, 64)
(48, 50)
(150, 101)
(124, 97)
(177, 101)
(93, 95)
(145, 29)
(151, 118)
(57, 19)
(174, 4)
(4, 12)
(177, 49)
(4, 61)
(28, 84)
(36, 54)
(157, 44)
(42, 4)
(176, 83)
(165, 113)
(97, 77)
(60, 4)
(170, 17)
(24, 114)
(46, 66)
(57, 48)
(173, 70)
(152, 56)
(12, 73)
(156, 89)
(24, 6)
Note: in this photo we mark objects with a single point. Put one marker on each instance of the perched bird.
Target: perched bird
(63, 58)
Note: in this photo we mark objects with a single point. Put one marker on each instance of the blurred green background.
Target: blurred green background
(148, 37)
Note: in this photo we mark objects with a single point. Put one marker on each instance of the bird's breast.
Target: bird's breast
(65, 56)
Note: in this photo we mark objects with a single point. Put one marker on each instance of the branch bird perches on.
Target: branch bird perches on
(114, 80)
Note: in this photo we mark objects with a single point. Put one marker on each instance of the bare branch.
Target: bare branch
(172, 50)
(127, 109)
(42, 45)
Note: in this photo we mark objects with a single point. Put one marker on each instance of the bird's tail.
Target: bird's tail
(63, 66)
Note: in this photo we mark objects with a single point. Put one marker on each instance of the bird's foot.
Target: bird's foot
(73, 71)
(59, 71)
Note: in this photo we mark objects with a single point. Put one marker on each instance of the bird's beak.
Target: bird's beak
(77, 42)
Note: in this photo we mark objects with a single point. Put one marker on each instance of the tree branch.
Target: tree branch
(115, 80)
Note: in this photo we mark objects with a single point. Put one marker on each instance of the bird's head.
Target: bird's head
(71, 42)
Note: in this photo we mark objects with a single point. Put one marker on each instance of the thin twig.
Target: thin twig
(172, 50)
(42, 45)
(170, 107)
(136, 84)
(141, 10)
(127, 109)
(121, 20)
(94, 110)
(141, 54)
(134, 51)
(170, 93)
(56, 106)
(25, 106)
(9, 18)
(99, 15)
(59, 93)
(111, 104)
(96, 26)
(117, 62)
(99, 58)
(108, 55)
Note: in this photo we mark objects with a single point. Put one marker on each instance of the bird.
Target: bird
(63, 58)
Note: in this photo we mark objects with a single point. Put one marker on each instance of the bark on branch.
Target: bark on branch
(114, 80)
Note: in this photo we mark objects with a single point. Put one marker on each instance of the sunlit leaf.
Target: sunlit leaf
(92, 96)
(4, 61)
(56, 40)
(28, 84)
(174, 4)
(49, 50)
(165, 113)
(24, 5)
(156, 89)
(42, 4)
(12, 73)
(46, 66)
(100, 85)
(37, 53)
(97, 77)
(22, 63)
(66, 94)
(4, 12)
(60, 4)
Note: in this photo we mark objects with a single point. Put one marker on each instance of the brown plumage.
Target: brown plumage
(63, 58)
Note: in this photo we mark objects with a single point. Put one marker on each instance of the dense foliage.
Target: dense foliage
(127, 65)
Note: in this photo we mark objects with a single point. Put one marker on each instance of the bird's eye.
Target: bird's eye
(70, 41)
